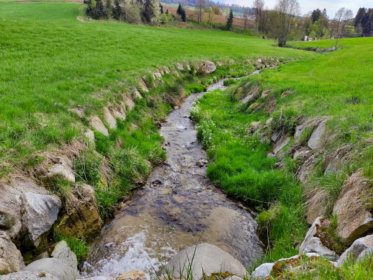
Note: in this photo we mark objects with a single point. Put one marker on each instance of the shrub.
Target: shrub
(165, 18)
(132, 13)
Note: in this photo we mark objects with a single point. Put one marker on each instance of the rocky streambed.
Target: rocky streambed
(177, 208)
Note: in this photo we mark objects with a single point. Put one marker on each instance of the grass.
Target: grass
(78, 246)
(122, 162)
(336, 84)
(322, 269)
(240, 166)
(51, 62)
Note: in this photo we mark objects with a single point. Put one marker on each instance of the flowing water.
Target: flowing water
(178, 207)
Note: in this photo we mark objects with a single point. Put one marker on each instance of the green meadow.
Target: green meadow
(337, 85)
(50, 61)
(53, 59)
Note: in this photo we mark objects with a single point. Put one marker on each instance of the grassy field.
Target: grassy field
(335, 84)
(50, 62)
(338, 85)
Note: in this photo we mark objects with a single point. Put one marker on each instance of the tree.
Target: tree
(96, 9)
(179, 8)
(210, 15)
(200, 5)
(117, 10)
(259, 15)
(341, 18)
(229, 24)
(181, 12)
(216, 10)
(150, 10)
(317, 24)
(285, 15)
(364, 22)
(108, 8)
(161, 8)
(132, 12)
(359, 17)
(368, 23)
(245, 17)
(307, 25)
(316, 15)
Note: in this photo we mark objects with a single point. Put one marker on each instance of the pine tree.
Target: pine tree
(359, 17)
(117, 10)
(96, 9)
(179, 8)
(181, 12)
(229, 20)
(316, 15)
(183, 15)
(108, 9)
(150, 10)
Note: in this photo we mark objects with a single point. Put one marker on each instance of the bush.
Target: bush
(165, 18)
(132, 13)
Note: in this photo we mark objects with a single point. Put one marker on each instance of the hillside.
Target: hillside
(52, 62)
(134, 143)
(297, 141)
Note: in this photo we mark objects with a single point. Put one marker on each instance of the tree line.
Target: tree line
(363, 22)
(132, 11)
(284, 22)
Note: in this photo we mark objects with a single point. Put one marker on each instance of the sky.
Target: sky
(331, 6)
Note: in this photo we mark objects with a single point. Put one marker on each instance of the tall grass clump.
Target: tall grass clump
(78, 246)
(240, 167)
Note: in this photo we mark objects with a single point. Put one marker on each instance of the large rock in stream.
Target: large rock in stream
(204, 259)
(27, 208)
(62, 265)
(10, 258)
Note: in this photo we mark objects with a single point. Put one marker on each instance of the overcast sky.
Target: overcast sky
(308, 5)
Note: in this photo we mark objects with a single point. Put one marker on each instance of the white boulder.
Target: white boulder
(204, 259)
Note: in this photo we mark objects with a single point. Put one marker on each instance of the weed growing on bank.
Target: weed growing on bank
(240, 166)
(78, 246)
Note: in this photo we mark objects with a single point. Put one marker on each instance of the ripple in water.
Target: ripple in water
(136, 257)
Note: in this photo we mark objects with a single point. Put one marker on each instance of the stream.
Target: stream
(178, 207)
